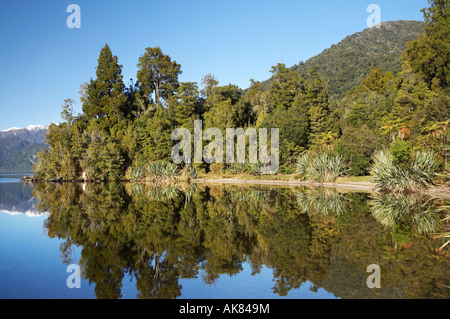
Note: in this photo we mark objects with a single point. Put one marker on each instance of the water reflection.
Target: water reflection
(407, 215)
(17, 198)
(328, 203)
(328, 238)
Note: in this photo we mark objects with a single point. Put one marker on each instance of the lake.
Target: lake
(192, 241)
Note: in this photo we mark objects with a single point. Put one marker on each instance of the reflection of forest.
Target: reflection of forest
(159, 235)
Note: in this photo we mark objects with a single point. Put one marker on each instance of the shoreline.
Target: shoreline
(439, 191)
(363, 186)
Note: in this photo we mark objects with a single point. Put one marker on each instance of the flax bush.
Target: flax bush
(418, 175)
(321, 168)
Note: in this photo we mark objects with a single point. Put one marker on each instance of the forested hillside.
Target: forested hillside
(346, 64)
(123, 130)
(17, 155)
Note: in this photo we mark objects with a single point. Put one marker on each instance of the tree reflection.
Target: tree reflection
(160, 235)
(326, 202)
(407, 215)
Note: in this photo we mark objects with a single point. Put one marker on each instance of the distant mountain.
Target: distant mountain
(33, 133)
(346, 64)
(17, 198)
(18, 146)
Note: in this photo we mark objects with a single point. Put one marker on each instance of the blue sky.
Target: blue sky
(43, 62)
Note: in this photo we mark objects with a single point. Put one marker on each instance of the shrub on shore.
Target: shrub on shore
(135, 172)
(419, 174)
(321, 168)
(160, 170)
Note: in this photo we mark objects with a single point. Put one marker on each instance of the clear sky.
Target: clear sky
(43, 62)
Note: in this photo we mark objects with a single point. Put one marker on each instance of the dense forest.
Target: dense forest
(402, 116)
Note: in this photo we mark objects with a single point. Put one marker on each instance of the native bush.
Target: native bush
(389, 175)
(321, 168)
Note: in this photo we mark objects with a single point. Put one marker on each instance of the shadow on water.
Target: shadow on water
(159, 235)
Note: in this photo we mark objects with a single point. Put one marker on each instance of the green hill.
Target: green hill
(346, 64)
(16, 154)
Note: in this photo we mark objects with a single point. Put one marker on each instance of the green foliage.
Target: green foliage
(401, 151)
(429, 55)
(135, 172)
(161, 170)
(104, 98)
(351, 101)
(226, 109)
(192, 172)
(157, 76)
(185, 105)
(244, 168)
(18, 155)
(102, 159)
(321, 168)
(285, 87)
(156, 170)
(293, 128)
(345, 65)
(391, 176)
(356, 147)
(404, 213)
(376, 81)
(322, 202)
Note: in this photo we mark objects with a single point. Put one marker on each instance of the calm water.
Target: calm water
(135, 241)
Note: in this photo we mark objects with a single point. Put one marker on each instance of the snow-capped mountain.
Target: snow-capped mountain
(18, 199)
(29, 128)
(32, 133)
(19, 146)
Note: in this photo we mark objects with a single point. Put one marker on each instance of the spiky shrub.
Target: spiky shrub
(397, 178)
(316, 169)
(248, 195)
(192, 172)
(445, 234)
(171, 171)
(155, 170)
(323, 202)
(335, 166)
(158, 193)
(424, 168)
(190, 192)
(419, 213)
(135, 189)
(303, 163)
(161, 170)
(135, 172)
(323, 168)
(389, 176)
